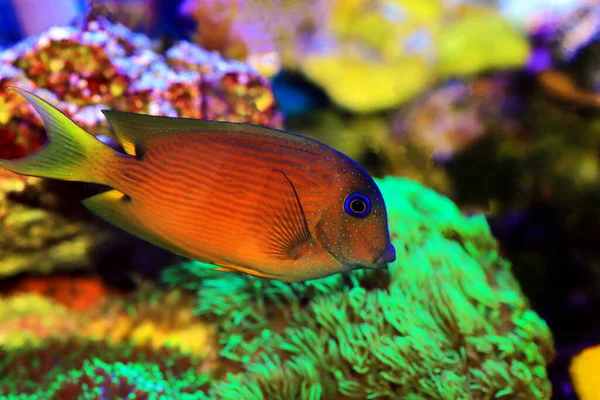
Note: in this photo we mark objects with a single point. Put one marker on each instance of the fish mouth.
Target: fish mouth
(388, 255)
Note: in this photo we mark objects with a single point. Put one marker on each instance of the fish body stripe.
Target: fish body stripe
(205, 195)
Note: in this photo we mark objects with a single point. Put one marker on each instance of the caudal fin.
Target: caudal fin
(70, 153)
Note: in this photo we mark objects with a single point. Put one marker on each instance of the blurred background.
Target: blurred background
(494, 104)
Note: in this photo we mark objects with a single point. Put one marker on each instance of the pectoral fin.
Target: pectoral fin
(283, 230)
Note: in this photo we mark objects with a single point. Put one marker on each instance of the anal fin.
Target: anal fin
(116, 208)
(226, 267)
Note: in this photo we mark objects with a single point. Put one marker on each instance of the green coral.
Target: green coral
(84, 369)
(448, 320)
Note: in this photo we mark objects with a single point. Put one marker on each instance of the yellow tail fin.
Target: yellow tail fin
(70, 153)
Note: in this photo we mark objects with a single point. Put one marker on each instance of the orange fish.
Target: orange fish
(242, 197)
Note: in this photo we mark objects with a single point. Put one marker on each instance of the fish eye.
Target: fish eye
(357, 205)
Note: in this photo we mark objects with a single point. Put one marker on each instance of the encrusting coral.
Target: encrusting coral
(76, 293)
(448, 321)
(30, 318)
(86, 369)
(35, 235)
(370, 57)
(149, 317)
(153, 317)
(147, 345)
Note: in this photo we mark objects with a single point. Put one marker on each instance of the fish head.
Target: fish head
(353, 227)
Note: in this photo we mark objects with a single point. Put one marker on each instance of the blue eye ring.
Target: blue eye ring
(357, 205)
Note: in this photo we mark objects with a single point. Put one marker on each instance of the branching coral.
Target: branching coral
(448, 321)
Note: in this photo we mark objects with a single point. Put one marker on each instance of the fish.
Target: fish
(242, 197)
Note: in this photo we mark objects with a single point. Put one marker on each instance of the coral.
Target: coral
(553, 163)
(371, 57)
(584, 373)
(265, 34)
(97, 64)
(558, 84)
(32, 312)
(447, 321)
(364, 86)
(87, 369)
(215, 27)
(97, 379)
(31, 318)
(452, 117)
(84, 68)
(149, 316)
(35, 235)
(471, 44)
(77, 293)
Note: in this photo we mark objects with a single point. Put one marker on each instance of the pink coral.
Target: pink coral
(99, 65)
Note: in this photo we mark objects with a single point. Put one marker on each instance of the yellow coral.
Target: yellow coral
(585, 373)
(166, 321)
(381, 53)
(363, 86)
(30, 318)
(383, 24)
(4, 113)
(383, 56)
(480, 40)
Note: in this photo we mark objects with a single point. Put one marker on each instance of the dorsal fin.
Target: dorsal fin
(136, 131)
